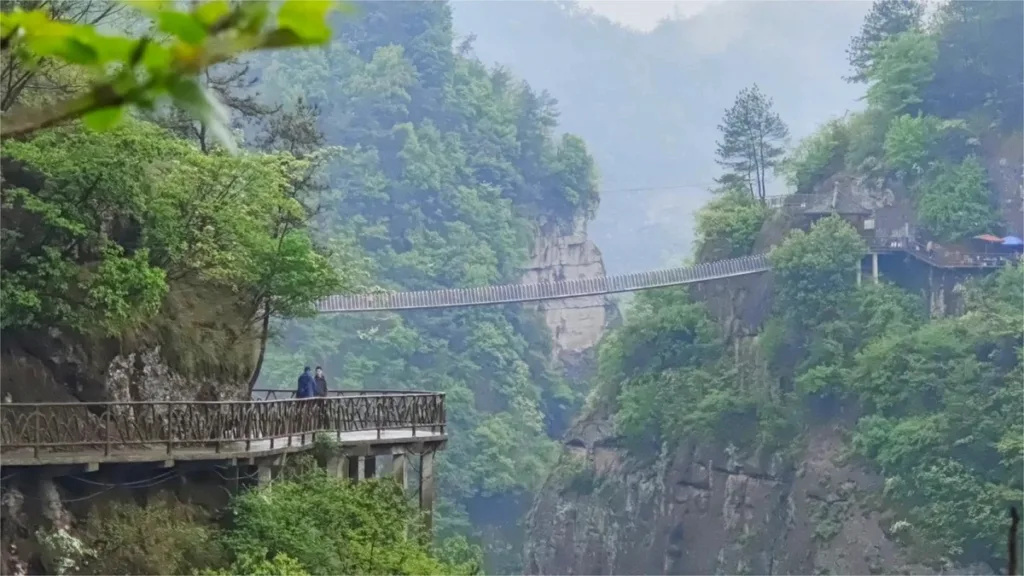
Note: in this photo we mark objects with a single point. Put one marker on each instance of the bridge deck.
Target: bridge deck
(34, 434)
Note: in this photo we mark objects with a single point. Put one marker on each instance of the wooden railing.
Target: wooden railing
(236, 426)
(262, 394)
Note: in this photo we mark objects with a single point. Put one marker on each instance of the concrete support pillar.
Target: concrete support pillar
(361, 468)
(337, 465)
(860, 267)
(874, 266)
(427, 491)
(264, 473)
(398, 464)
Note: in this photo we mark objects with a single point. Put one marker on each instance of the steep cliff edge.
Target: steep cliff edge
(576, 324)
(200, 347)
(709, 510)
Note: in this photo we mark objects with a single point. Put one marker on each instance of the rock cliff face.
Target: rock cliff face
(198, 348)
(577, 324)
(709, 510)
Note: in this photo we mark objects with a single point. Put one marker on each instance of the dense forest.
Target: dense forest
(446, 173)
(933, 404)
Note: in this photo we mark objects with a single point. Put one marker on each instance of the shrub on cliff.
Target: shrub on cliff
(159, 538)
(331, 526)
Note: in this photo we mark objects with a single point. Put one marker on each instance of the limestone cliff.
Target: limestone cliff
(577, 324)
(709, 510)
(199, 347)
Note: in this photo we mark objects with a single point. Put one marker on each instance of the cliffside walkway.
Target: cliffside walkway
(271, 424)
(938, 257)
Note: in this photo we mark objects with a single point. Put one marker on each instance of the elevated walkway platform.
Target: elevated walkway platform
(95, 433)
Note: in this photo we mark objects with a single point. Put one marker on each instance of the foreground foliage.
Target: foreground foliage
(308, 523)
(128, 71)
(328, 525)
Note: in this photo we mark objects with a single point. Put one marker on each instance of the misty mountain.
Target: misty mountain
(648, 104)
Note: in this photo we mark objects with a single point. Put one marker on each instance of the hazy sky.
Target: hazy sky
(645, 14)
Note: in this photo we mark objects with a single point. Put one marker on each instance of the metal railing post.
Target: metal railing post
(35, 440)
(413, 399)
(220, 429)
(444, 414)
(170, 429)
(106, 426)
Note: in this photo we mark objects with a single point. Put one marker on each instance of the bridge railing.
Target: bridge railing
(235, 426)
(508, 293)
(262, 394)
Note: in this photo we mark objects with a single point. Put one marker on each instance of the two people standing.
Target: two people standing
(311, 386)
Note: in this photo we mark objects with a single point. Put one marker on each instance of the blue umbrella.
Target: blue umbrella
(1012, 241)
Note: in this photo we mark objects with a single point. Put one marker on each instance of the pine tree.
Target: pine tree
(752, 142)
(886, 19)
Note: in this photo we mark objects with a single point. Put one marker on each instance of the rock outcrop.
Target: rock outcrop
(576, 324)
(200, 347)
(710, 510)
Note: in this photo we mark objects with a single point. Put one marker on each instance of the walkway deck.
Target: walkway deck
(134, 432)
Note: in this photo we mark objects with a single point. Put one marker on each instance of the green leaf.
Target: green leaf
(281, 38)
(78, 52)
(209, 13)
(182, 26)
(307, 19)
(205, 107)
(103, 118)
(253, 16)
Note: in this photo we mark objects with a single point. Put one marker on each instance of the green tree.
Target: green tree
(953, 201)
(331, 526)
(728, 225)
(98, 224)
(979, 66)
(752, 141)
(818, 156)
(887, 18)
(814, 270)
(912, 141)
(944, 403)
(901, 67)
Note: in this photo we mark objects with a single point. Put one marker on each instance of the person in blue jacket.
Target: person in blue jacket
(307, 386)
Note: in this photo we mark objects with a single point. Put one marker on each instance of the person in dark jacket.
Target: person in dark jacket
(307, 386)
(321, 382)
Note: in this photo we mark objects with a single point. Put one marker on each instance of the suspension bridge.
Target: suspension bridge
(937, 256)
